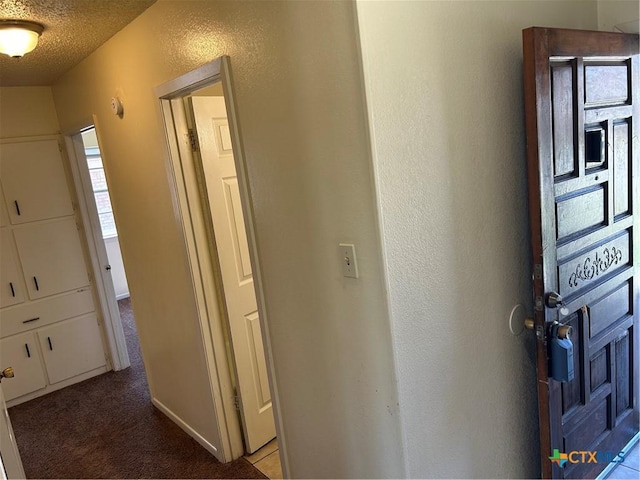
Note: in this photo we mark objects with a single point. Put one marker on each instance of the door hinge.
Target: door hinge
(537, 271)
(236, 402)
(539, 304)
(193, 140)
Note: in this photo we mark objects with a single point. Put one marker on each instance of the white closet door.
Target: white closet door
(21, 352)
(52, 257)
(71, 347)
(34, 181)
(11, 285)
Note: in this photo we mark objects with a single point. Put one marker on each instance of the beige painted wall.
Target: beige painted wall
(616, 12)
(27, 111)
(302, 116)
(444, 90)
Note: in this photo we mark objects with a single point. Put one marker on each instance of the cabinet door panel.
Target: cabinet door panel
(11, 286)
(34, 181)
(51, 256)
(4, 216)
(21, 352)
(40, 313)
(71, 347)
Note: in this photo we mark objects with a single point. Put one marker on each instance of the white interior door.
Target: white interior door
(10, 463)
(235, 265)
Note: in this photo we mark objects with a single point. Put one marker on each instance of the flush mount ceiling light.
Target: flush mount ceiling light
(18, 37)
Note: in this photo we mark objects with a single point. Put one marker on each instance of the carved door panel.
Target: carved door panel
(581, 95)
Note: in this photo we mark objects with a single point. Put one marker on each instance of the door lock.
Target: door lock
(530, 324)
(561, 352)
(554, 300)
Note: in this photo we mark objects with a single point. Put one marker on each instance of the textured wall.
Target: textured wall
(302, 116)
(444, 90)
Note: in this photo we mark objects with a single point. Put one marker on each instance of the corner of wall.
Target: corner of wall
(27, 111)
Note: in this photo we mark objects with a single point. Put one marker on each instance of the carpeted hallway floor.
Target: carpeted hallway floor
(106, 427)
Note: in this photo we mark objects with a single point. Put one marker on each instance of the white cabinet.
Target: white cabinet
(21, 352)
(34, 181)
(48, 322)
(11, 284)
(51, 257)
(40, 313)
(71, 347)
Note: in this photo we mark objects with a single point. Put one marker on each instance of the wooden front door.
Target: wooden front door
(582, 95)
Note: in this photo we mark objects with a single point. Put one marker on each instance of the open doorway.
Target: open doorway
(224, 217)
(104, 211)
(92, 189)
(206, 115)
(107, 427)
(210, 187)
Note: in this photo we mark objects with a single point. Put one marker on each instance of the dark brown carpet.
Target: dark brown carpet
(106, 427)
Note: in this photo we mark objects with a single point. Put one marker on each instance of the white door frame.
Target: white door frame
(10, 462)
(187, 202)
(112, 325)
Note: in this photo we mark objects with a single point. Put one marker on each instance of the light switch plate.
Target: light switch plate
(348, 260)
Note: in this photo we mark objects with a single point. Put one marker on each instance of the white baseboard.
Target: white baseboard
(190, 431)
(57, 386)
(122, 296)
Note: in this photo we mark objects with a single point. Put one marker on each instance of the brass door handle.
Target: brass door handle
(6, 373)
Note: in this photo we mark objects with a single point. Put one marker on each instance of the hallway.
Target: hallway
(106, 427)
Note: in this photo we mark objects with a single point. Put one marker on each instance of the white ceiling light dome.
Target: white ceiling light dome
(18, 37)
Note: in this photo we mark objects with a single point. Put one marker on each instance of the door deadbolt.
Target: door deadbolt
(554, 300)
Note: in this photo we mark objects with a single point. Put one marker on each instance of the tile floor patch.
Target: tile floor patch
(620, 473)
(629, 468)
(268, 449)
(270, 466)
(632, 459)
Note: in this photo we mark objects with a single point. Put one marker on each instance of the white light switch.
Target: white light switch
(348, 260)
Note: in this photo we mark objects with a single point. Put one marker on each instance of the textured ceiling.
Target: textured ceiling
(72, 30)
